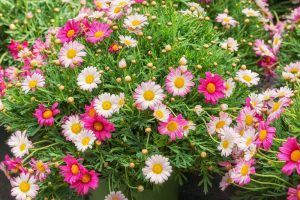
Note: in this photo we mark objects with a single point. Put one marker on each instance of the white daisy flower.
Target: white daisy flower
(189, 127)
(228, 139)
(135, 22)
(31, 82)
(19, 143)
(24, 187)
(196, 9)
(269, 94)
(249, 12)
(229, 87)
(128, 41)
(24, 53)
(157, 169)
(71, 54)
(101, 4)
(148, 94)
(161, 112)
(115, 196)
(85, 140)
(115, 12)
(230, 44)
(250, 152)
(121, 100)
(72, 127)
(106, 104)
(248, 77)
(285, 92)
(256, 101)
(122, 3)
(226, 180)
(247, 139)
(89, 78)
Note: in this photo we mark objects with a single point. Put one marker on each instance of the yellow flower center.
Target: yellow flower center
(121, 102)
(247, 78)
(75, 169)
(226, 19)
(76, 128)
(249, 120)
(179, 82)
(71, 53)
(149, 95)
(211, 88)
(225, 144)
(245, 170)
(276, 106)
(98, 126)
(115, 198)
(136, 22)
(298, 194)
(86, 178)
(227, 86)
(106, 105)
(98, 4)
(172, 126)
(157, 168)
(24, 186)
(40, 167)
(92, 112)
(127, 42)
(32, 84)
(99, 34)
(70, 33)
(248, 142)
(117, 9)
(220, 124)
(89, 79)
(85, 141)
(295, 155)
(242, 132)
(294, 70)
(263, 135)
(159, 114)
(22, 147)
(47, 114)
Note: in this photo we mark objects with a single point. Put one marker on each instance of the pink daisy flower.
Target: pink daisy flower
(101, 127)
(41, 169)
(226, 20)
(179, 83)
(45, 116)
(293, 193)
(98, 32)
(242, 171)
(14, 164)
(71, 54)
(174, 127)
(277, 107)
(217, 123)
(265, 135)
(247, 117)
(73, 170)
(90, 111)
(87, 180)
(69, 31)
(212, 87)
(15, 47)
(290, 153)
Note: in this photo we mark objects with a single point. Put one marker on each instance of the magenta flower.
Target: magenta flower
(294, 193)
(174, 127)
(98, 32)
(69, 31)
(45, 116)
(242, 171)
(15, 47)
(41, 169)
(14, 164)
(265, 135)
(73, 170)
(88, 179)
(212, 87)
(101, 127)
(290, 153)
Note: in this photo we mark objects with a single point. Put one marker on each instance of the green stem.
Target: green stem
(267, 183)
(273, 176)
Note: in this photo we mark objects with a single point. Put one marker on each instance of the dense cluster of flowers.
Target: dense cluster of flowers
(85, 105)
